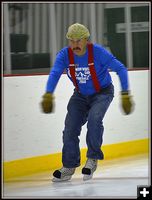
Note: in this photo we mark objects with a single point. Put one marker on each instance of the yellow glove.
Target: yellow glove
(127, 103)
(47, 103)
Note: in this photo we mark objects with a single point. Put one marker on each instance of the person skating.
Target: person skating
(87, 66)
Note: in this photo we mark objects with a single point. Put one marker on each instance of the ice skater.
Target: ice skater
(87, 66)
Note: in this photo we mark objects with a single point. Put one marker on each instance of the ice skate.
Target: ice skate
(63, 174)
(89, 169)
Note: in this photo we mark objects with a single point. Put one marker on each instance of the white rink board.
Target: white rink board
(27, 132)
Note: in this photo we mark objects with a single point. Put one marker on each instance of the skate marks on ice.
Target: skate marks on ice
(97, 187)
(101, 187)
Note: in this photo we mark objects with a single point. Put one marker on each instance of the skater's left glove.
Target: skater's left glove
(127, 103)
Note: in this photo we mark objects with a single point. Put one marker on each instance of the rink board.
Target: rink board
(36, 164)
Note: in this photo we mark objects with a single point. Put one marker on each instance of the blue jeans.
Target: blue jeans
(82, 109)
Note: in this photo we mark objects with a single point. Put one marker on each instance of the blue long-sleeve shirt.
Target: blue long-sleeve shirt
(103, 61)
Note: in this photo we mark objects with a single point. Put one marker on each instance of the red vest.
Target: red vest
(91, 67)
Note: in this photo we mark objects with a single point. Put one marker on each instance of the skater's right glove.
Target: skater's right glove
(47, 103)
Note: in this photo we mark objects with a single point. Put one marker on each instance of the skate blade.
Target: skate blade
(87, 177)
(66, 178)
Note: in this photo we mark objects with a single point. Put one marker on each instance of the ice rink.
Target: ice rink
(117, 178)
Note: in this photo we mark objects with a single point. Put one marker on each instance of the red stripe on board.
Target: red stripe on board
(33, 74)
(39, 74)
